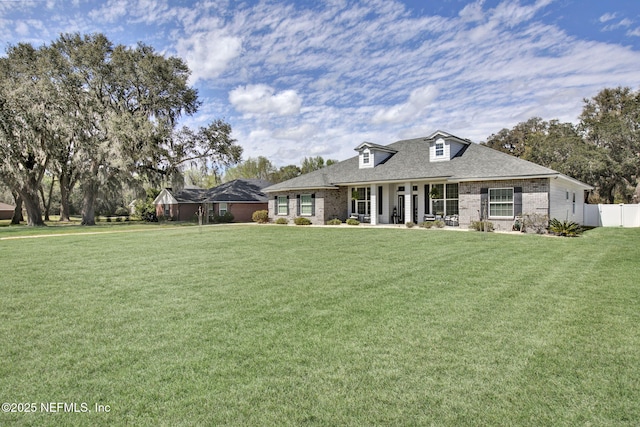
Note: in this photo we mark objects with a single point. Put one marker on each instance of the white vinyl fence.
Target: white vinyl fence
(612, 215)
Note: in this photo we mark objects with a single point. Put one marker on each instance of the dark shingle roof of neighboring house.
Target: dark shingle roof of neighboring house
(239, 190)
(190, 195)
(411, 162)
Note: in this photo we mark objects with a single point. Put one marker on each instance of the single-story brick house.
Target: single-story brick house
(6, 211)
(240, 197)
(439, 176)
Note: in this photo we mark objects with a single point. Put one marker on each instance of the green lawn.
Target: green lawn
(276, 325)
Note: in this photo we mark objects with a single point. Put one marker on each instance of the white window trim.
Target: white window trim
(439, 143)
(285, 205)
(501, 203)
(223, 211)
(366, 158)
(303, 205)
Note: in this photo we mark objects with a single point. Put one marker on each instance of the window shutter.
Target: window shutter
(298, 205)
(379, 200)
(287, 205)
(484, 203)
(517, 201)
(313, 204)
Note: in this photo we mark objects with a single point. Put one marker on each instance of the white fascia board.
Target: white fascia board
(284, 190)
(395, 181)
(504, 178)
(550, 175)
(574, 181)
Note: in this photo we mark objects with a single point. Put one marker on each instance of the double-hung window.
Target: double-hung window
(283, 205)
(501, 202)
(306, 205)
(222, 208)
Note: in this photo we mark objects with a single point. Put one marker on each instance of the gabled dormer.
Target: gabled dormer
(444, 146)
(371, 155)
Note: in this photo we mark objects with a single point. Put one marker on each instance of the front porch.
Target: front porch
(399, 203)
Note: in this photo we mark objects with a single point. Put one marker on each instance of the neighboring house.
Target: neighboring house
(241, 198)
(6, 211)
(181, 205)
(440, 176)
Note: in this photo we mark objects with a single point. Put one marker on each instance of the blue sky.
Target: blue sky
(306, 78)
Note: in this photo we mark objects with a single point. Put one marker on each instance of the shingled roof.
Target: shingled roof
(411, 162)
(239, 190)
(190, 195)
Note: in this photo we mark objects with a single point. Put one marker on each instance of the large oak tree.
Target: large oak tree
(100, 116)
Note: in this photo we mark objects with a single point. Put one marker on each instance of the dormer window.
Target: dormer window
(371, 155)
(440, 148)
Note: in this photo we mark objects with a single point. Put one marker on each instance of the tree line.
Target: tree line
(263, 168)
(602, 150)
(97, 116)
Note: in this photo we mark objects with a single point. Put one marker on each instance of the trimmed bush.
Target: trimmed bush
(426, 224)
(410, 224)
(352, 221)
(261, 217)
(282, 221)
(334, 221)
(223, 219)
(302, 221)
(439, 223)
(481, 225)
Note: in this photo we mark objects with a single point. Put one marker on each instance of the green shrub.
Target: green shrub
(426, 224)
(122, 211)
(564, 228)
(223, 219)
(118, 219)
(282, 221)
(410, 224)
(261, 217)
(352, 221)
(302, 221)
(481, 225)
(438, 223)
(334, 221)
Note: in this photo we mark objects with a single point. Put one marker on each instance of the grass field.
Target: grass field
(268, 325)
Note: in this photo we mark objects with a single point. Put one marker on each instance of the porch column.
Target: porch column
(373, 213)
(408, 208)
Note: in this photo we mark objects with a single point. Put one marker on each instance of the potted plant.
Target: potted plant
(434, 193)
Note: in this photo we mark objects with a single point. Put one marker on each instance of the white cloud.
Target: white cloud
(472, 12)
(262, 100)
(297, 133)
(22, 28)
(607, 17)
(209, 53)
(419, 99)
